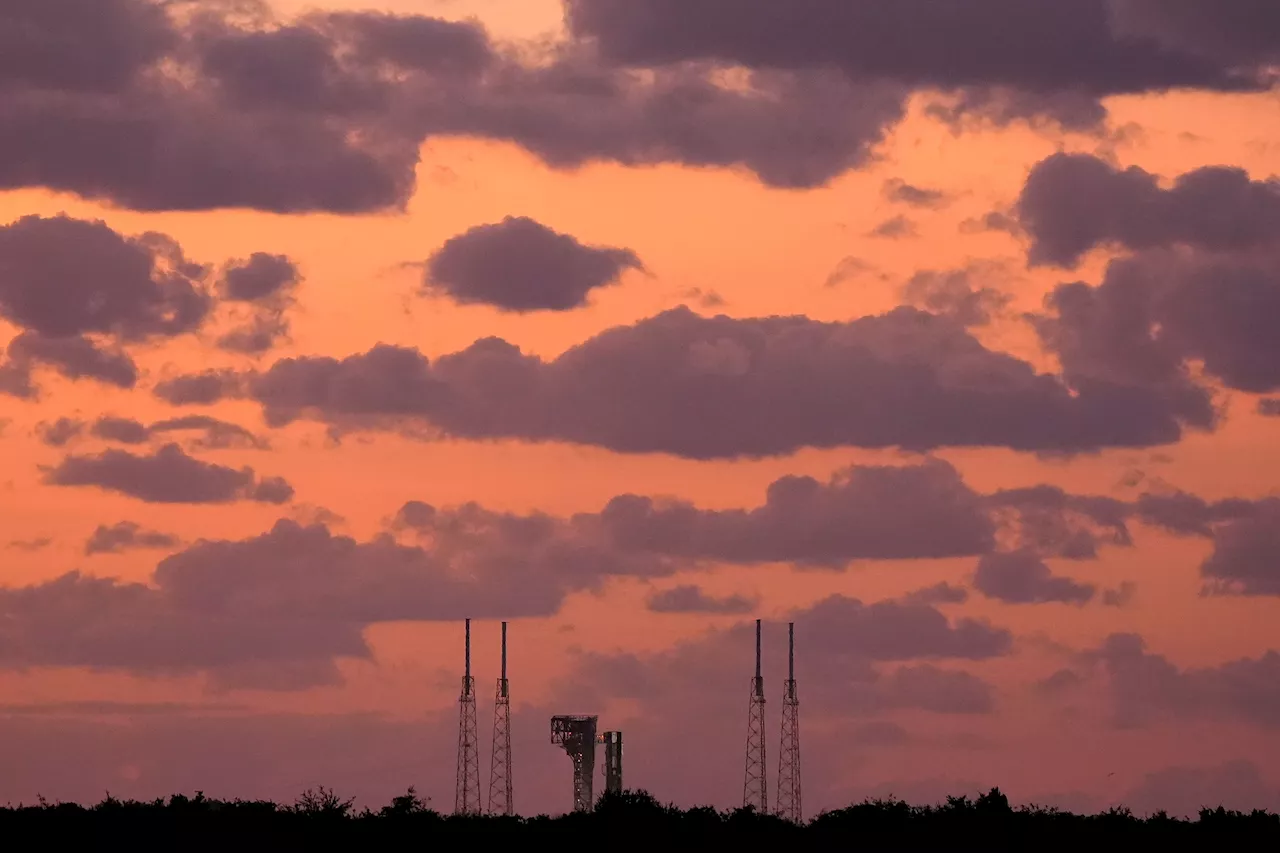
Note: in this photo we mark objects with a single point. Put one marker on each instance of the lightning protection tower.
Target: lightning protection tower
(466, 798)
(755, 787)
(577, 734)
(788, 794)
(500, 802)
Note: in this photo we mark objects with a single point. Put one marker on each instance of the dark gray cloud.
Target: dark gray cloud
(894, 228)
(1146, 687)
(1049, 521)
(1021, 577)
(81, 294)
(31, 545)
(263, 287)
(719, 387)
(955, 293)
(1269, 407)
(278, 608)
(126, 536)
(214, 433)
(691, 599)
(863, 512)
(62, 278)
(896, 189)
(1055, 57)
(120, 430)
(1246, 32)
(328, 112)
(520, 265)
(1156, 312)
(1246, 553)
(199, 389)
(1188, 514)
(1072, 203)
(261, 278)
(168, 475)
(1184, 791)
(58, 433)
(79, 45)
(75, 357)
(939, 593)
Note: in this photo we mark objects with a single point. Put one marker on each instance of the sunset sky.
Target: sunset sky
(945, 330)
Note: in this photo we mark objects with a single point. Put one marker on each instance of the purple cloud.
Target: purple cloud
(199, 389)
(898, 190)
(1021, 577)
(1072, 203)
(691, 599)
(520, 265)
(719, 387)
(1146, 687)
(126, 536)
(167, 476)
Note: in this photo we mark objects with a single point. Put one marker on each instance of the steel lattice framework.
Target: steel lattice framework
(755, 786)
(500, 800)
(577, 735)
(466, 798)
(788, 793)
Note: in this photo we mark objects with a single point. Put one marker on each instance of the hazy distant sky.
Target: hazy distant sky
(945, 330)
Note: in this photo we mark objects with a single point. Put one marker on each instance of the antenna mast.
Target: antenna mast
(500, 801)
(466, 798)
(789, 806)
(755, 787)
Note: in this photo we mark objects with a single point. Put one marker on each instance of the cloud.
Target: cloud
(216, 434)
(1021, 577)
(263, 285)
(895, 228)
(953, 293)
(120, 430)
(1250, 33)
(82, 294)
(863, 512)
(60, 432)
(720, 387)
(939, 593)
(261, 278)
(848, 269)
(80, 45)
(1246, 554)
(1145, 687)
(1052, 522)
(691, 599)
(1184, 791)
(199, 389)
(276, 610)
(65, 278)
(1156, 312)
(167, 476)
(1269, 407)
(1055, 59)
(327, 112)
(76, 357)
(1073, 203)
(31, 545)
(1188, 514)
(896, 189)
(126, 536)
(520, 265)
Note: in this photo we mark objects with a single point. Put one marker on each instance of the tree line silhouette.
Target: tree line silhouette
(321, 818)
